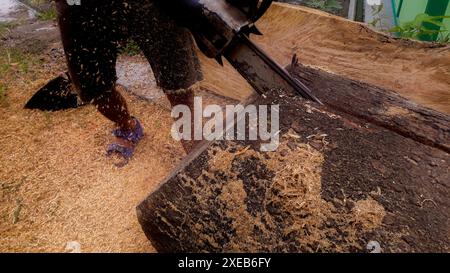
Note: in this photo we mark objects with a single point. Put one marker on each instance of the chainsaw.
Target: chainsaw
(222, 29)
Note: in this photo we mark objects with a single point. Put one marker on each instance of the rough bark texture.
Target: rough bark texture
(377, 106)
(336, 182)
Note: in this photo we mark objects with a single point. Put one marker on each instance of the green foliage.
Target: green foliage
(47, 15)
(443, 38)
(11, 187)
(325, 5)
(39, 2)
(5, 27)
(15, 60)
(130, 48)
(416, 28)
(2, 95)
(48, 119)
(17, 210)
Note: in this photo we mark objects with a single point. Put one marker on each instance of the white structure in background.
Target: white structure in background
(7, 7)
(373, 2)
(379, 17)
(352, 10)
(353, 3)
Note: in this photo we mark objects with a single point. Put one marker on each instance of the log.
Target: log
(377, 106)
(337, 183)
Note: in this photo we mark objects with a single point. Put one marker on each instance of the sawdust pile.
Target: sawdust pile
(56, 184)
(294, 194)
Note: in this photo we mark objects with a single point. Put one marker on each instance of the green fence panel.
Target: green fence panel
(434, 8)
(407, 10)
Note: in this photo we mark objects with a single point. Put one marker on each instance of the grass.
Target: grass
(14, 64)
(131, 48)
(48, 119)
(47, 15)
(14, 60)
(13, 188)
(38, 2)
(5, 27)
(332, 6)
(17, 211)
(157, 124)
(46, 11)
(2, 95)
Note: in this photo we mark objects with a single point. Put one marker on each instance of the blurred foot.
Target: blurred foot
(127, 142)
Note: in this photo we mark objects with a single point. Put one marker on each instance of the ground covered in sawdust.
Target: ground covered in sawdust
(56, 185)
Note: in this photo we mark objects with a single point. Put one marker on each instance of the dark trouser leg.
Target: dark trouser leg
(90, 38)
(171, 53)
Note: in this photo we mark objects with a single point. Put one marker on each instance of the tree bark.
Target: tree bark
(367, 166)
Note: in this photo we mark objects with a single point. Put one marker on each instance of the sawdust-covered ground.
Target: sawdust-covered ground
(57, 186)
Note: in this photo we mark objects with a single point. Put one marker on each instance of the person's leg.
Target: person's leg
(185, 97)
(113, 106)
(171, 53)
(91, 54)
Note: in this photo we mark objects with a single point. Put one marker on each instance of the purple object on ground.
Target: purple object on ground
(132, 136)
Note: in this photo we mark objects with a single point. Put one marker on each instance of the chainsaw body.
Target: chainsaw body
(215, 23)
(222, 28)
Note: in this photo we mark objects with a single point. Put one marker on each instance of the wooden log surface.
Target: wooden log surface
(336, 183)
(377, 106)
